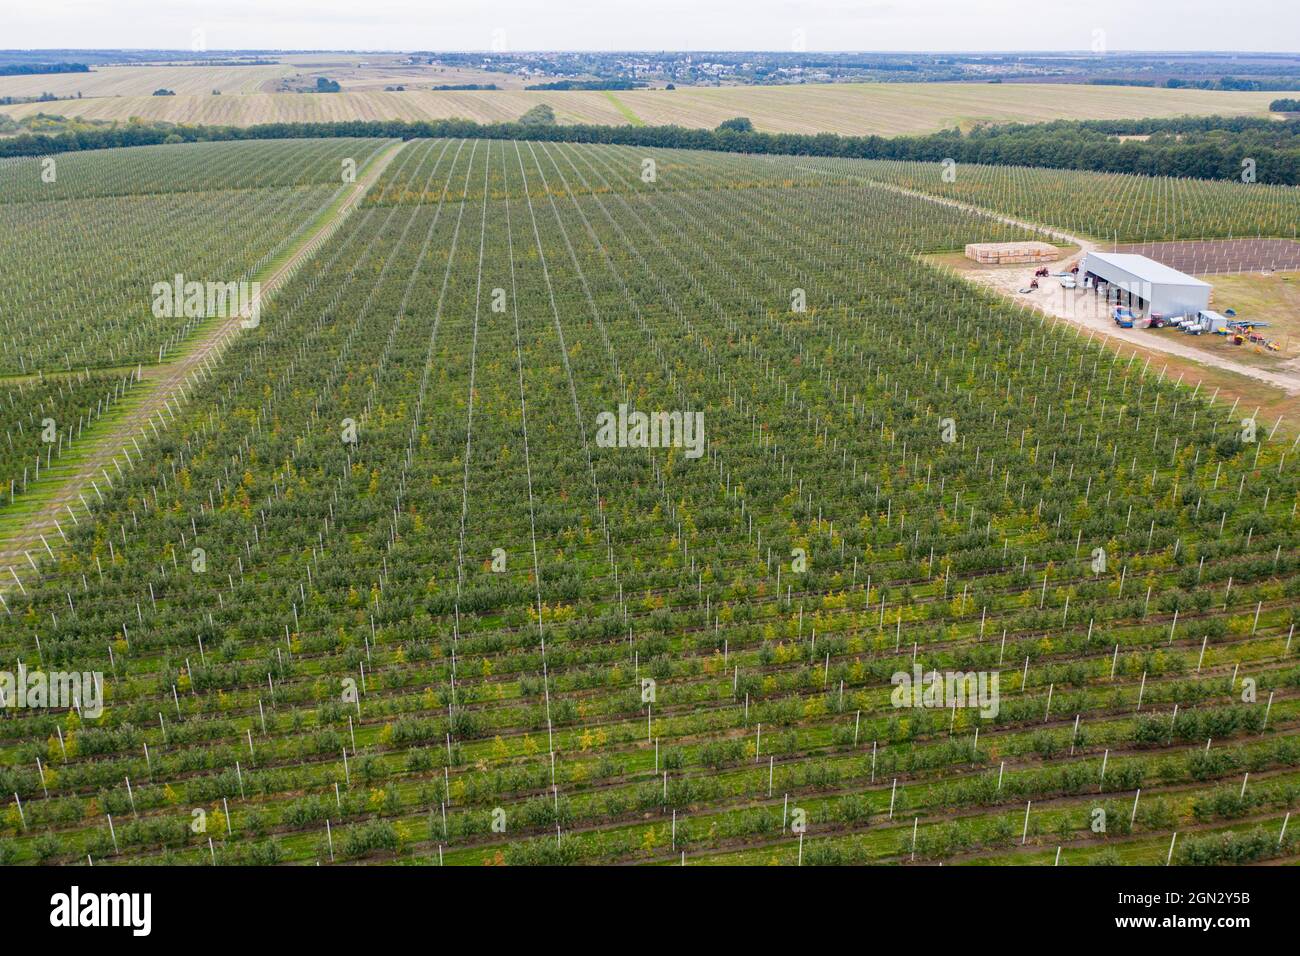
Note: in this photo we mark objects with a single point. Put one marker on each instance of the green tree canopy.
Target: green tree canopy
(539, 115)
(741, 124)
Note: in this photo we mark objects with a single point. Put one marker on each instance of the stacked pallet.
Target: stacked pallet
(999, 253)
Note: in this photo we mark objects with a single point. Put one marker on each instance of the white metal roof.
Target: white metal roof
(1148, 270)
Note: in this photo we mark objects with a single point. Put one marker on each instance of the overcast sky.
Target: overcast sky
(1272, 25)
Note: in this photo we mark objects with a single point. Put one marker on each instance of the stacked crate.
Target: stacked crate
(1000, 253)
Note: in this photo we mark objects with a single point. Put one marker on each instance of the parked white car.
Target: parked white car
(1068, 282)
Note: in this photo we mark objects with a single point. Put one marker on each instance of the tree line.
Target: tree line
(1200, 148)
(32, 69)
(616, 84)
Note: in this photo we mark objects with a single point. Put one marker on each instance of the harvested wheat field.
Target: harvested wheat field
(141, 81)
(893, 108)
(886, 109)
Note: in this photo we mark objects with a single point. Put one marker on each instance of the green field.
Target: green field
(84, 237)
(384, 589)
(1102, 206)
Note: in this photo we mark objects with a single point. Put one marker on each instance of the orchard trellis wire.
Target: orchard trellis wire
(82, 245)
(376, 590)
(1117, 207)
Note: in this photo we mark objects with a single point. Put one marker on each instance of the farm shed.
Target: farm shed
(997, 253)
(1212, 321)
(1145, 284)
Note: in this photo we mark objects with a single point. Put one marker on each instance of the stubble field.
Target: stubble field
(885, 109)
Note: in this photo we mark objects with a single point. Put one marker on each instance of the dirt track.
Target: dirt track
(166, 383)
(1086, 309)
(1080, 307)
